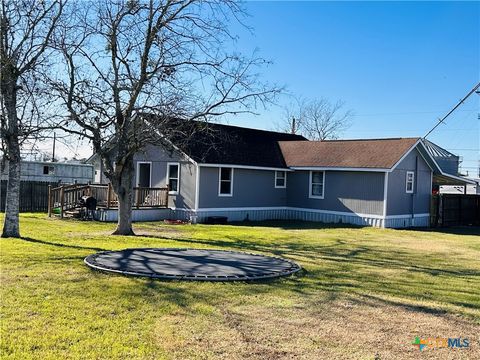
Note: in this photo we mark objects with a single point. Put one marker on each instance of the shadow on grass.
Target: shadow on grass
(295, 225)
(338, 269)
(454, 230)
(339, 252)
(43, 242)
(372, 300)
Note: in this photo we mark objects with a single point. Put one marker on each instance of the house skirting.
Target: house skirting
(291, 213)
(273, 213)
(404, 221)
(111, 215)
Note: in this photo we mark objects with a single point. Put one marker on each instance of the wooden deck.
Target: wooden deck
(67, 197)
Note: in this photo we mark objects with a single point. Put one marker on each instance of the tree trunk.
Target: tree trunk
(123, 186)
(10, 136)
(12, 201)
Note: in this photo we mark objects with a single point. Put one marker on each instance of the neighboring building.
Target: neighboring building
(447, 161)
(459, 189)
(257, 175)
(68, 173)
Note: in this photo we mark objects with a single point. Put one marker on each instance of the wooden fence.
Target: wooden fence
(455, 209)
(33, 195)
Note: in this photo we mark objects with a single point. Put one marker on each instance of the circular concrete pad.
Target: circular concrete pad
(192, 264)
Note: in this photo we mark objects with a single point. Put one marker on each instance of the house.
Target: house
(48, 171)
(244, 173)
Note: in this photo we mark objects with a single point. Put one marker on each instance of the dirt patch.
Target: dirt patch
(345, 329)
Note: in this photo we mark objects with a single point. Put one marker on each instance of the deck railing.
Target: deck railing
(67, 197)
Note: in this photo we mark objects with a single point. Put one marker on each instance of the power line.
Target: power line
(440, 121)
(404, 113)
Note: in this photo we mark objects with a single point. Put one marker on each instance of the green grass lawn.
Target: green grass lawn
(363, 293)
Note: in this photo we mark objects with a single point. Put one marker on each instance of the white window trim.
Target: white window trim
(310, 195)
(284, 179)
(220, 182)
(138, 172)
(178, 177)
(406, 182)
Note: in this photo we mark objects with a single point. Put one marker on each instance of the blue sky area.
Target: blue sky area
(398, 65)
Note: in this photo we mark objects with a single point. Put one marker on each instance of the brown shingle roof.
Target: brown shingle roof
(372, 153)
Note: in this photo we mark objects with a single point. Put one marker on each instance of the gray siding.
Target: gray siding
(399, 201)
(159, 158)
(344, 191)
(448, 165)
(99, 176)
(251, 188)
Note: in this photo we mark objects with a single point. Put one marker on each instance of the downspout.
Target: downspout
(415, 182)
(385, 197)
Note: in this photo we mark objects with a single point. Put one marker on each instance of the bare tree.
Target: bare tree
(26, 29)
(317, 119)
(133, 66)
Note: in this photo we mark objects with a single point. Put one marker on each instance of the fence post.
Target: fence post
(49, 205)
(62, 199)
(460, 217)
(109, 195)
(166, 195)
(137, 194)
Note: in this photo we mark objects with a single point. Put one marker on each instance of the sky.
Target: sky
(399, 66)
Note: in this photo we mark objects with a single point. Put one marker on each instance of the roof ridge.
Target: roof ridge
(371, 139)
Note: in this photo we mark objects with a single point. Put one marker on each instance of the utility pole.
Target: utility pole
(53, 152)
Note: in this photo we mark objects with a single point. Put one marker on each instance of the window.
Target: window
(48, 170)
(280, 179)
(317, 182)
(173, 176)
(225, 182)
(409, 181)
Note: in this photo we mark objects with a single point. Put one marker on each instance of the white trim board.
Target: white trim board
(197, 186)
(385, 194)
(405, 155)
(407, 216)
(178, 177)
(310, 195)
(230, 194)
(323, 168)
(188, 158)
(284, 179)
(244, 167)
(412, 173)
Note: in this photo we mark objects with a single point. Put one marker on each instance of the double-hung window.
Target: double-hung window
(225, 182)
(317, 184)
(280, 179)
(409, 182)
(173, 177)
